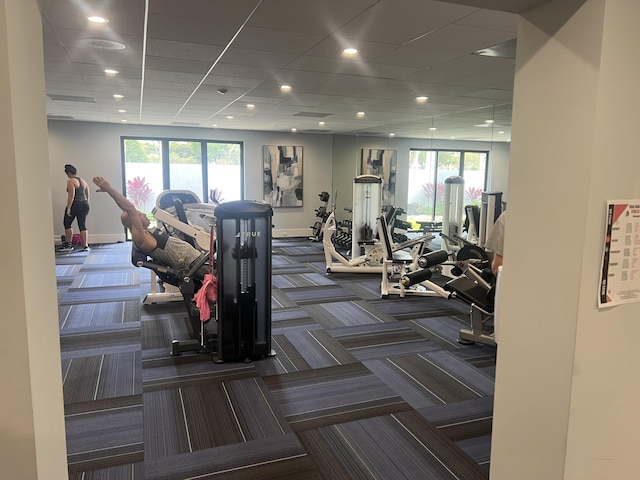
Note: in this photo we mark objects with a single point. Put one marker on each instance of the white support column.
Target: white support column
(32, 434)
(567, 388)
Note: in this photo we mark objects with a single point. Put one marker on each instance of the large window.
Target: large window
(428, 169)
(152, 165)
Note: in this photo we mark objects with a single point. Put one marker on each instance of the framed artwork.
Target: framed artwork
(384, 164)
(282, 168)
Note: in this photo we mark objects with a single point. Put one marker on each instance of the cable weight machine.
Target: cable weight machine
(243, 265)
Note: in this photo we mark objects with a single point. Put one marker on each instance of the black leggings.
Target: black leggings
(79, 211)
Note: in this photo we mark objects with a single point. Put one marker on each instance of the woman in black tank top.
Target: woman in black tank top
(77, 208)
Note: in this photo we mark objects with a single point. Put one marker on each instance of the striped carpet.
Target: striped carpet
(361, 387)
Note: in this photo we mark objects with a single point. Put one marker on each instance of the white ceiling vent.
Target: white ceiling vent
(71, 98)
(312, 114)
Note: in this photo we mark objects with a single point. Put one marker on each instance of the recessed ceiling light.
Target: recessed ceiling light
(229, 117)
(433, 129)
(111, 71)
(123, 121)
(422, 99)
(285, 88)
(350, 52)
(122, 111)
(321, 124)
(294, 130)
(215, 125)
(501, 132)
(250, 106)
(97, 19)
(453, 138)
(117, 96)
(488, 121)
(392, 134)
(360, 114)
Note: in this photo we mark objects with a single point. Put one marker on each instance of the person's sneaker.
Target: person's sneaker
(86, 248)
(66, 247)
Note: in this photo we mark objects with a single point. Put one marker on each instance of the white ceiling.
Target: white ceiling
(178, 54)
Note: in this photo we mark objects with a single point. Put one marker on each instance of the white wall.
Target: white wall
(567, 389)
(32, 435)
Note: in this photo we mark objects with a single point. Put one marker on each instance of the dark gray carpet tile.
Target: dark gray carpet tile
(366, 289)
(478, 448)
(209, 415)
(98, 315)
(298, 250)
(160, 332)
(107, 404)
(462, 420)
(90, 341)
(345, 314)
(65, 274)
(382, 340)
(296, 268)
(320, 294)
(445, 330)
(100, 259)
(102, 438)
(105, 279)
(473, 378)
(101, 294)
(417, 307)
(316, 347)
(421, 382)
(280, 300)
(477, 354)
(281, 458)
(295, 280)
(188, 370)
(398, 446)
(320, 397)
(449, 417)
(488, 369)
(101, 376)
(69, 259)
(291, 320)
(134, 471)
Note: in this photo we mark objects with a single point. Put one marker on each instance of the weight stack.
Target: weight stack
(243, 266)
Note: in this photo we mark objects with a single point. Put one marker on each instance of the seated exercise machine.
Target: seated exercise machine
(473, 283)
(180, 213)
(474, 287)
(412, 270)
(187, 281)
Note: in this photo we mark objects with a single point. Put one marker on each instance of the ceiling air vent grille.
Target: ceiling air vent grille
(71, 98)
(60, 117)
(312, 114)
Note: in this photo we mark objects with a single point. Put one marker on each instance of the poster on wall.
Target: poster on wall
(620, 272)
(384, 164)
(282, 167)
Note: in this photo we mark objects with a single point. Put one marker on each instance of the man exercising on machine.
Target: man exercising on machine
(171, 251)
